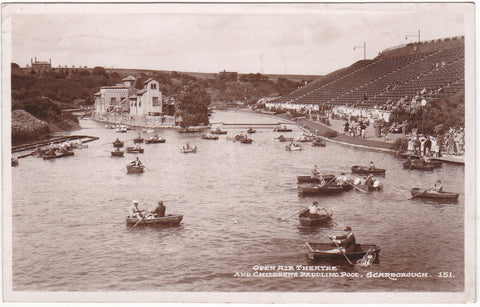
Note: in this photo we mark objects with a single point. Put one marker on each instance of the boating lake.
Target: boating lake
(69, 231)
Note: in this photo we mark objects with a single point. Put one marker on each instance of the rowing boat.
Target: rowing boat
(329, 251)
(188, 150)
(171, 219)
(358, 169)
(417, 193)
(315, 190)
(155, 140)
(308, 178)
(117, 153)
(424, 167)
(307, 221)
(132, 149)
(135, 169)
(293, 147)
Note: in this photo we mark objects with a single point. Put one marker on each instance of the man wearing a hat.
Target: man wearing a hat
(346, 241)
(159, 211)
(133, 211)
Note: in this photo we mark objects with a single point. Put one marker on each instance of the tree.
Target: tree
(15, 65)
(192, 106)
(98, 70)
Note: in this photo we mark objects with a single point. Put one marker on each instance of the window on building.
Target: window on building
(155, 101)
(113, 100)
(153, 86)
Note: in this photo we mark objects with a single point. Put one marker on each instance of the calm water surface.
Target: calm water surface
(69, 231)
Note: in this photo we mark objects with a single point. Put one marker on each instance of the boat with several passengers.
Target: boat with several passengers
(367, 170)
(168, 220)
(329, 251)
(319, 142)
(422, 193)
(138, 139)
(251, 130)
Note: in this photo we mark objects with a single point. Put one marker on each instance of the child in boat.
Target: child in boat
(314, 210)
(136, 162)
(371, 166)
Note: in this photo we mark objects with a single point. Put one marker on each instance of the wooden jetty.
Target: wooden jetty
(55, 140)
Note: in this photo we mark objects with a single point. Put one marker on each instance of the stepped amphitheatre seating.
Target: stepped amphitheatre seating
(434, 66)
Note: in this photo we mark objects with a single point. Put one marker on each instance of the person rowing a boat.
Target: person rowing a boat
(159, 211)
(134, 211)
(371, 167)
(136, 162)
(345, 241)
(342, 179)
(315, 171)
(369, 181)
(314, 210)
(438, 186)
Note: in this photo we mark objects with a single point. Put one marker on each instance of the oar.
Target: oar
(357, 188)
(291, 215)
(143, 217)
(341, 250)
(418, 194)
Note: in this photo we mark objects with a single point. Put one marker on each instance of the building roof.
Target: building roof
(115, 86)
(41, 63)
(129, 78)
(97, 94)
(148, 80)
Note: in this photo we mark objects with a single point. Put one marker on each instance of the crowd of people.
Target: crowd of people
(452, 143)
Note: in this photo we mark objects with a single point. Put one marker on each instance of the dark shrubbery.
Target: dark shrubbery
(400, 145)
(330, 134)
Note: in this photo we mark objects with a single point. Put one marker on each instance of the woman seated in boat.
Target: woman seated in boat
(342, 179)
(345, 241)
(371, 166)
(117, 141)
(134, 211)
(159, 211)
(438, 186)
(137, 147)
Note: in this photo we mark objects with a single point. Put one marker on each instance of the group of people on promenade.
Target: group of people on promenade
(452, 143)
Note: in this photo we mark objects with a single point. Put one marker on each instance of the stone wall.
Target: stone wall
(136, 120)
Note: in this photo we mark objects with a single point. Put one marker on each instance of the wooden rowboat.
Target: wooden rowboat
(319, 143)
(117, 144)
(117, 153)
(246, 141)
(280, 129)
(154, 140)
(218, 131)
(209, 137)
(328, 251)
(328, 189)
(308, 178)
(132, 149)
(306, 221)
(134, 169)
(171, 219)
(251, 130)
(424, 167)
(421, 193)
(281, 138)
(188, 150)
(293, 147)
(138, 140)
(358, 169)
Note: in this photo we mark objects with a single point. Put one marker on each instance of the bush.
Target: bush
(330, 134)
(400, 145)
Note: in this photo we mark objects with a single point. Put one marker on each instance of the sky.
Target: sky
(312, 39)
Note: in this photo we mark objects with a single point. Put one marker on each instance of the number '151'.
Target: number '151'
(445, 275)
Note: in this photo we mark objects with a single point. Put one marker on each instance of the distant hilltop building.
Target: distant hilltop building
(41, 65)
(125, 98)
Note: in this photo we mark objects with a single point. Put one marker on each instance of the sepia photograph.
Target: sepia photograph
(238, 152)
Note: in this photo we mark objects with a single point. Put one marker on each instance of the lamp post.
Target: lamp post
(422, 104)
(364, 49)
